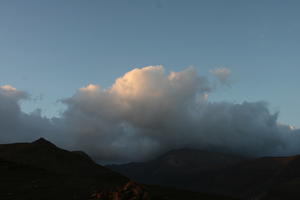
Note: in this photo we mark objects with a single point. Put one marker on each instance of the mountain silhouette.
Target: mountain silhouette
(184, 168)
(42, 153)
(42, 171)
(218, 173)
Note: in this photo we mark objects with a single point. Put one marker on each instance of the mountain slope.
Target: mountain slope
(42, 171)
(251, 178)
(183, 168)
(41, 153)
(287, 181)
(216, 173)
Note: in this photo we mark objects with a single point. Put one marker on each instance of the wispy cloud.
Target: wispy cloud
(223, 75)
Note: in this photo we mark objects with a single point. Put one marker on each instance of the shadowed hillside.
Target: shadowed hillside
(184, 168)
(217, 173)
(40, 170)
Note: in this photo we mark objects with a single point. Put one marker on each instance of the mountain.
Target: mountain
(251, 178)
(217, 173)
(286, 183)
(42, 171)
(184, 168)
(42, 153)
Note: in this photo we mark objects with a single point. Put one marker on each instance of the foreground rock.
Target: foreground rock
(130, 190)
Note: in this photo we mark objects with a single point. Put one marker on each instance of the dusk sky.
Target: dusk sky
(52, 48)
(128, 80)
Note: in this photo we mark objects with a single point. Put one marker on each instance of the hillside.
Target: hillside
(183, 168)
(217, 173)
(42, 171)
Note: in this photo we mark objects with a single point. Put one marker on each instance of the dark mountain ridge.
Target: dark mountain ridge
(218, 173)
(42, 153)
(42, 171)
(181, 168)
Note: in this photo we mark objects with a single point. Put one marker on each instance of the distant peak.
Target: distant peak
(42, 141)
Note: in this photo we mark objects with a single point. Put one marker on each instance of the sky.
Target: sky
(106, 75)
(52, 48)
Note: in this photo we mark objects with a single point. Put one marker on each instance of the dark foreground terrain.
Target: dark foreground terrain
(41, 171)
(217, 173)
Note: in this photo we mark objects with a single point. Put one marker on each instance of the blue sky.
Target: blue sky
(52, 48)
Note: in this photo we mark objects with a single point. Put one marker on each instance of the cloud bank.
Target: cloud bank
(147, 112)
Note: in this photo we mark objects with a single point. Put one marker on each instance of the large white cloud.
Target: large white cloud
(127, 117)
(147, 112)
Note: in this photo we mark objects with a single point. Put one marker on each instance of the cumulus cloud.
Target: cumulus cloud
(223, 75)
(129, 116)
(17, 126)
(148, 111)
